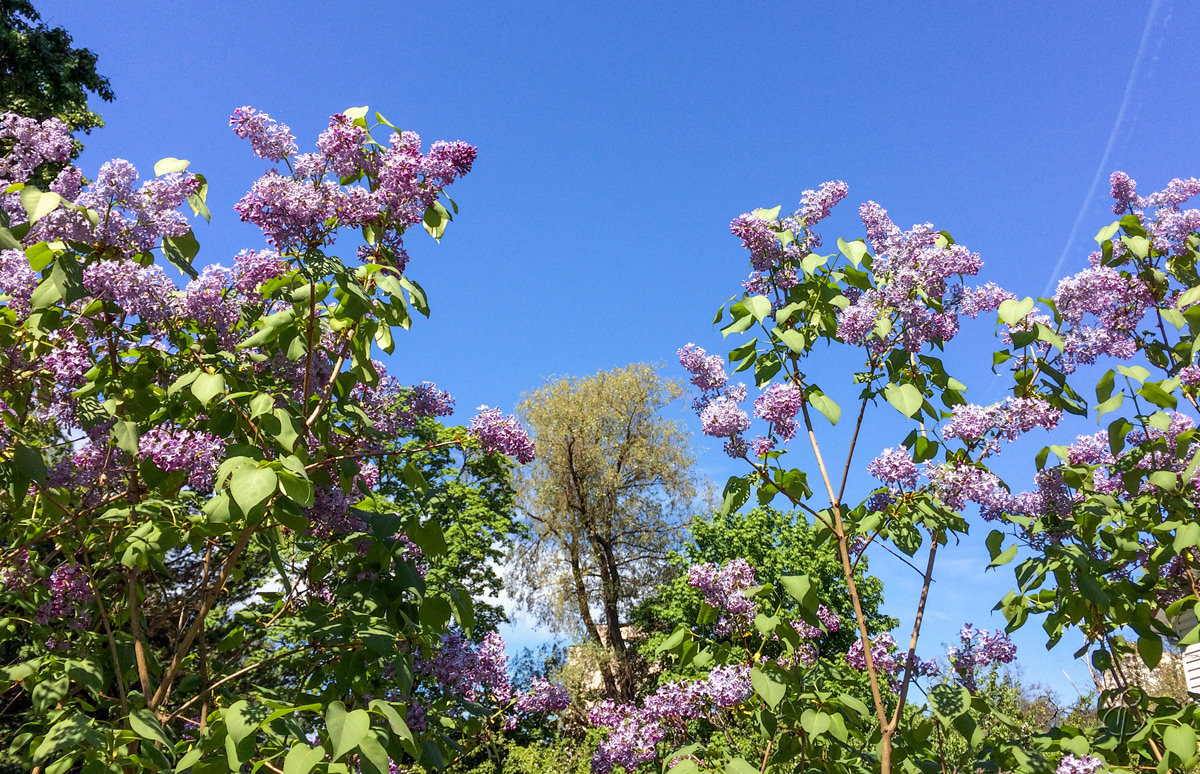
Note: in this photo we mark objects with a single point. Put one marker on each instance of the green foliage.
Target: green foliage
(42, 74)
(472, 494)
(776, 544)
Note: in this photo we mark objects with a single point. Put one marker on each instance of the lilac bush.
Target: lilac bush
(1104, 532)
(193, 538)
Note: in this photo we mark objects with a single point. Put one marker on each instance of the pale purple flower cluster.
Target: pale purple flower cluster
(888, 659)
(894, 467)
(759, 238)
(815, 205)
(724, 589)
(129, 221)
(977, 649)
(779, 404)
(143, 291)
(1190, 375)
(1083, 764)
(543, 697)
(723, 417)
(172, 449)
(34, 143)
(270, 139)
(70, 594)
(983, 298)
(303, 210)
(331, 515)
(1117, 303)
(829, 620)
(425, 400)
(500, 433)
(16, 575)
(207, 301)
(910, 268)
(956, 484)
(342, 145)
(251, 268)
(17, 280)
(472, 671)
(1008, 420)
(1171, 225)
(636, 731)
(708, 371)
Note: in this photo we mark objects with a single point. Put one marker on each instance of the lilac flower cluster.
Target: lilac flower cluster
(17, 281)
(193, 451)
(500, 433)
(302, 210)
(473, 672)
(912, 267)
(128, 221)
(888, 659)
(16, 574)
(956, 484)
(894, 467)
(636, 732)
(543, 697)
(1008, 420)
(331, 515)
(143, 291)
(425, 400)
(70, 593)
(724, 589)
(1170, 226)
(779, 404)
(270, 139)
(708, 371)
(1117, 303)
(977, 649)
(816, 205)
(1083, 764)
(34, 143)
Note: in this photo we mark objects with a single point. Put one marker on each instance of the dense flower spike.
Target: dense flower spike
(894, 467)
(779, 404)
(70, 596)
(724, 589)
(270, 139)
(708, 371)
(476, 672)
(1082, 764)
(197, 453)
(500, 433)
(543, 697)
(979, 649)
(142, 291)
(17, 280)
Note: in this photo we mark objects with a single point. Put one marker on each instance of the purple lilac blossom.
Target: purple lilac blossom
(723, 417)
(779, 404)
(724, 589)
(815, 205)
(17, 280)
(425, 400)
(1190, 375)
(251, 268)
(70, 593)
(894, 467)
(708, 371)
(543, 697)
(500, 433)
(910, 268)
(342, 145)
(34, 143)
(1117, 303)
(143, 291)
(17, 575)
(270, 139)
(979, 649)
(1083, 764)
(171, 449)
(331, 514)
(759, 238)
(472, 671)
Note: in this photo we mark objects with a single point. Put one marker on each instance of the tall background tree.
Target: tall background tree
(607, 501)
(42, 75)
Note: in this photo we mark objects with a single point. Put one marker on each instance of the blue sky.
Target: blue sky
(617, 140)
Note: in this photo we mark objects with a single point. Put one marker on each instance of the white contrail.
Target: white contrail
(1102, 168)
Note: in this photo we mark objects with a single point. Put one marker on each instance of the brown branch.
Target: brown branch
(911, 659)
(135, 623)
(205, 606)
